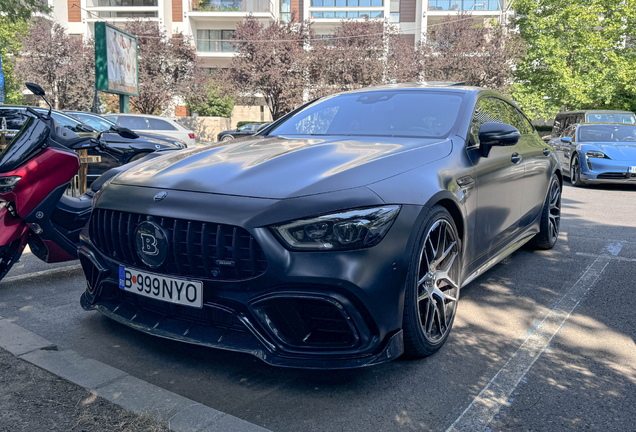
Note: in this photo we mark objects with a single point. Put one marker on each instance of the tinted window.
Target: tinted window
(111, 118)
(526, 123)
(134, 123)
(509, 116)
(377, 113)
(607, 133)
(13, 116)
(486, 111)
(610, 118)
(71, 123)
(156, 124)
(570, 132)
(244, 128)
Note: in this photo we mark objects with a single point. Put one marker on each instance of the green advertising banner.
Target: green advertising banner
(116, 66)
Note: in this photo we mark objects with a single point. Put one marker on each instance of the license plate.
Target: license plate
(632, 170)
(171, 290)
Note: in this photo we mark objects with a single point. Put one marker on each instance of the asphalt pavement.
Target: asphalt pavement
(544, 341)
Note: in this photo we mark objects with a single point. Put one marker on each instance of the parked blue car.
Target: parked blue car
(598, 153)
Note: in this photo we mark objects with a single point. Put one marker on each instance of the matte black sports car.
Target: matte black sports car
(598, 153)
(338, 237)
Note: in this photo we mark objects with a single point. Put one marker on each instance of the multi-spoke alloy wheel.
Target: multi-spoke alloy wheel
(575, 172)
(550, 217)
(433, 290)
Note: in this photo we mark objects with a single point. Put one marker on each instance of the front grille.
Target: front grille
(197, 249)
(612, 176)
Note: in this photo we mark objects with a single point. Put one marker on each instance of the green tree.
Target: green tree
(21, 10)
(209, 103)
(11, 32)
(579, 55)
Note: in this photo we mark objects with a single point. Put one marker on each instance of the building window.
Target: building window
(75, 37)
(347, 3)
(394, 10)
(347, 14)
(122, 3)
(215, 41)
(285, 10)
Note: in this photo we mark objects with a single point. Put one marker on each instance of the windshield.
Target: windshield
(99, 123)
(625, 118)
(408, 113)
(607, 133)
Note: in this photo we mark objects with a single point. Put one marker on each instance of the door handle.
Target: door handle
(546, 152)
(515, 158)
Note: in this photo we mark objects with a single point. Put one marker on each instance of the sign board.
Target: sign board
(116, 66)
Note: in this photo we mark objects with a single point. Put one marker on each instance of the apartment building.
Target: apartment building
(211, 23)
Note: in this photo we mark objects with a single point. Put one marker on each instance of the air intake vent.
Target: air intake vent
(197, 249)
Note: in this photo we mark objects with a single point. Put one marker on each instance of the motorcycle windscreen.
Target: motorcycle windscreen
(26, 144)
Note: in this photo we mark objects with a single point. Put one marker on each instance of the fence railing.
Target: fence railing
(215, 45)
(122, 3)
(232, 5)
(464, 5)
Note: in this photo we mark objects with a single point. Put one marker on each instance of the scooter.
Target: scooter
(36, 169)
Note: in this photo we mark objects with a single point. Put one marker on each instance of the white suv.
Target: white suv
(154, 124)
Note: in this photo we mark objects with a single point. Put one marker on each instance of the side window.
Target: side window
(486, 110)
(557, 127)
(69, 123)
(134, 123)
(243, 128)
(526, 123)
(569, 132)
(510, 116)
(156, 124)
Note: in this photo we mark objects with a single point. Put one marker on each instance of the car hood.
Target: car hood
(277, 167)
(616, 151)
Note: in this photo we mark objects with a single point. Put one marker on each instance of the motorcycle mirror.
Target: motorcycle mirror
(126, 133)
(35, 89)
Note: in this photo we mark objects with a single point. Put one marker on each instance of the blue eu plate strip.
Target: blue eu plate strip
(122, 276)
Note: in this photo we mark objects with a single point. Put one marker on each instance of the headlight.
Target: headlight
(8, 183)
(351, 229)
(101, 189)
(596, 154)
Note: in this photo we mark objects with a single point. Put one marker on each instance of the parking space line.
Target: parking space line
(617, 258)
(496, 394)
(41, 273)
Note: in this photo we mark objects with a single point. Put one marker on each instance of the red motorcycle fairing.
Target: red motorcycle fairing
(39, 177)
(11, 228)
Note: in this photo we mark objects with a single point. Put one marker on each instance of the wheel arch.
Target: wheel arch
(447, 200)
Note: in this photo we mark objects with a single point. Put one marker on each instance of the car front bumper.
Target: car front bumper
(598, 171)
(319, 310)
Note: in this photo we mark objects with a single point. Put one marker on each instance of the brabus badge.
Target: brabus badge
(161, 195)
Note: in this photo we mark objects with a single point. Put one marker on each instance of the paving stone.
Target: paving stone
(18, 341)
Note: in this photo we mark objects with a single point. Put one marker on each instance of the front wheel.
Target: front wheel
(9, 255)
(575, 172)
(227, 138)
(550, 218)
(432, 289)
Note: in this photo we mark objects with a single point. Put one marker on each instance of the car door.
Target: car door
(538, 164)
(499, 183)
(565, 148)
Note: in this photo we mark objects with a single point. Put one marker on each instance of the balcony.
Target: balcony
(245, 6)
(121, 10)
(214, 46)
(465, 5)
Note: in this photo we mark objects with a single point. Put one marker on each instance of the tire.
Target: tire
(432, 283)
(9, 255)
(575, 172)
(550, 217)
(227, 138)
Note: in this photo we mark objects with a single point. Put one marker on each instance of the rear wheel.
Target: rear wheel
(550, 218)
(575, 172)
(432, 289)
(9, 255)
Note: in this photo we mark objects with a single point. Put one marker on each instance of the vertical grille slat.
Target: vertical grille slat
(112, 232)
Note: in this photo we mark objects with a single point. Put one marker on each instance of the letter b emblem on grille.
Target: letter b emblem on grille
(151, 243)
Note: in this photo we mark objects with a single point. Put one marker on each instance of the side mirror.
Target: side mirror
(35, 89)
(566, 140)
(497, 134)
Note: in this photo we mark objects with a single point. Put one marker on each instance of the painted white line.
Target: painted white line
(617, 258)
(42, 273)
(488, 402)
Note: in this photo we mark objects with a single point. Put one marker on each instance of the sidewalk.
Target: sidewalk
(35, 400)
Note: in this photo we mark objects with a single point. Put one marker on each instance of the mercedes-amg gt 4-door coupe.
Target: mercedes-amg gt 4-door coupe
(337, 237)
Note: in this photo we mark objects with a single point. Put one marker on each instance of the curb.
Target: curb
(175, 411)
